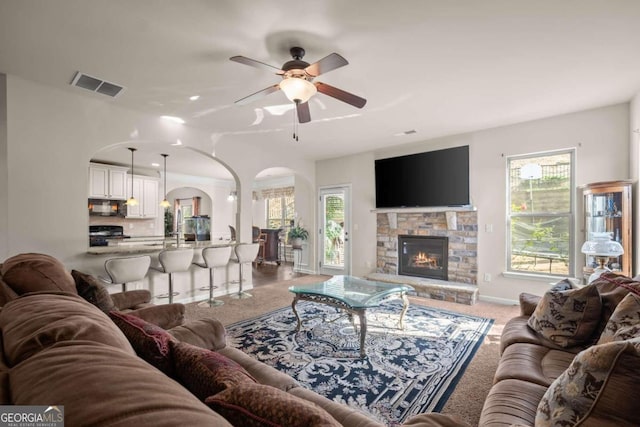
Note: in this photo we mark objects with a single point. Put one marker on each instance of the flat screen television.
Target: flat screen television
(432, 179)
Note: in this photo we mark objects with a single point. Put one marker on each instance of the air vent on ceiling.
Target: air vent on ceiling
(96, 85)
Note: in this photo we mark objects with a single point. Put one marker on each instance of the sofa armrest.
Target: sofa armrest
(206, 333)
(434, 419)
(166, 316)
(130, 299)
(528, 303)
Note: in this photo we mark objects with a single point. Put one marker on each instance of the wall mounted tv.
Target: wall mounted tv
(435, 178)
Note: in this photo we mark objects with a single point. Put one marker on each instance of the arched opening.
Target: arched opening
(283, 201)
(196, 184)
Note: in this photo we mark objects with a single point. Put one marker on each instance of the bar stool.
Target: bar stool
(126, 270)
(173, 261)
(215, 256)
(245, 252)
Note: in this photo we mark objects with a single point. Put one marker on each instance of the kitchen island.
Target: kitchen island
(150, 244)
(193, 284)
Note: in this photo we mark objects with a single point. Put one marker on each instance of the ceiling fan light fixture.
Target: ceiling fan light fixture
(297, 89)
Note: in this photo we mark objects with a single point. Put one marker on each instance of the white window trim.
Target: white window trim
(516, 274)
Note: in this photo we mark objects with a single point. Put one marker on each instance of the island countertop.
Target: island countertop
(148, 245)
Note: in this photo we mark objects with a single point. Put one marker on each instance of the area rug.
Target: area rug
(406, 372)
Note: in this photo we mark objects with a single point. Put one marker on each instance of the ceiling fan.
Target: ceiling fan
(297, 77)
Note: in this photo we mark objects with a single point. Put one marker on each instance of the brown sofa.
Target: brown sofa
(571, 358)
(117, 369)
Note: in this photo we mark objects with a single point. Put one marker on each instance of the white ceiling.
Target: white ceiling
(438, 67)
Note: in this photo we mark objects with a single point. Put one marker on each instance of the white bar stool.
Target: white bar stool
(126, 270)
(215, 256)
(173, 261)
(245, 252)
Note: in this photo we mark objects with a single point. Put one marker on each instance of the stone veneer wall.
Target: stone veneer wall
(461, 227)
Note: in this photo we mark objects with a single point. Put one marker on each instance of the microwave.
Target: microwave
(101, 207)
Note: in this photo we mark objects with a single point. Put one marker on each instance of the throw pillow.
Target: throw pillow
(567, 318)
(92, 290)
(150, 342)
(205, 372)
(595, 389)
(624, 323)
(259, 405)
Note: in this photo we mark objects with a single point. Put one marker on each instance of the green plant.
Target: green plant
(298, 232)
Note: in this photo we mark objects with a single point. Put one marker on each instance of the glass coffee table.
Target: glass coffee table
(353, 295)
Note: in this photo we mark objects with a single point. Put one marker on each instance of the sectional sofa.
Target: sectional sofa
(571, 358)
(117, 368)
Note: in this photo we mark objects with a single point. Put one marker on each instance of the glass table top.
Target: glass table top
(357, 292)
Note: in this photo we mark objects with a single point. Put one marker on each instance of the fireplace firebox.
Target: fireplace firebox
(423, 256)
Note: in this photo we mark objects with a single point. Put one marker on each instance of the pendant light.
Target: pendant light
(165, 203)
(132, 200)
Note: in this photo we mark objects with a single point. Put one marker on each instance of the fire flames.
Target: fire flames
(424, 260)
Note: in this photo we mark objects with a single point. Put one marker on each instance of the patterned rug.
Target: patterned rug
(406, 372)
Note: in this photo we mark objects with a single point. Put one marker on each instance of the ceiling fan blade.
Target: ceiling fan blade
(304, 115)
(257, 64)
(340, 94)
(326, 64)
(259, 94)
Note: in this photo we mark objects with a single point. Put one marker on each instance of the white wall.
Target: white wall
(601, 137)
(52, 134)
(358, 171)
(634, 170)
(4, 171)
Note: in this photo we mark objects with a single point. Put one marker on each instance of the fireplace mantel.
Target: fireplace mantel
(431, 209)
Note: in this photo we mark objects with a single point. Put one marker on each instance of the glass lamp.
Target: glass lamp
(297, 89)
(132, 200)
(165, 203)
(602, 248)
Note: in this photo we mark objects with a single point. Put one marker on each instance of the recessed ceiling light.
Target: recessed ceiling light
(194, 97)
(178, 142)
(155, 165)
(174, 119)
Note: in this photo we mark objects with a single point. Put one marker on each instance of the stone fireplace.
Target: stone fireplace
(423, 256)
(459, 227)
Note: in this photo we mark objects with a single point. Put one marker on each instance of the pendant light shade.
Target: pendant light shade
(132, 200)
(165, 203)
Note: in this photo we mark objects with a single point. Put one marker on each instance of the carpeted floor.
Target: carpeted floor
(468, 397)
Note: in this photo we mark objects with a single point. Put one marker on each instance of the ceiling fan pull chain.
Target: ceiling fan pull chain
(295, 125)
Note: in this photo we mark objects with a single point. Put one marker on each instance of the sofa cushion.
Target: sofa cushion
(567, 318)
(32, 272)
(150, 342)
(205, 372)
(102, 386)
(262, 372)
(533, 363)
(207, 333)
(35, 322)
(92, 290)
(511, 402)
(251, 404)
(595, 389)
(624, 323)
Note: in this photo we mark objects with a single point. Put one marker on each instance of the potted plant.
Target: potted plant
(296, 235)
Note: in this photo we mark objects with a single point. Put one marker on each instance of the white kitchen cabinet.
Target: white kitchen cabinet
(145, 191)
(107, 182)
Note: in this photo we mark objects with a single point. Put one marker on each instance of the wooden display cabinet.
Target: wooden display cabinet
(608, 208)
